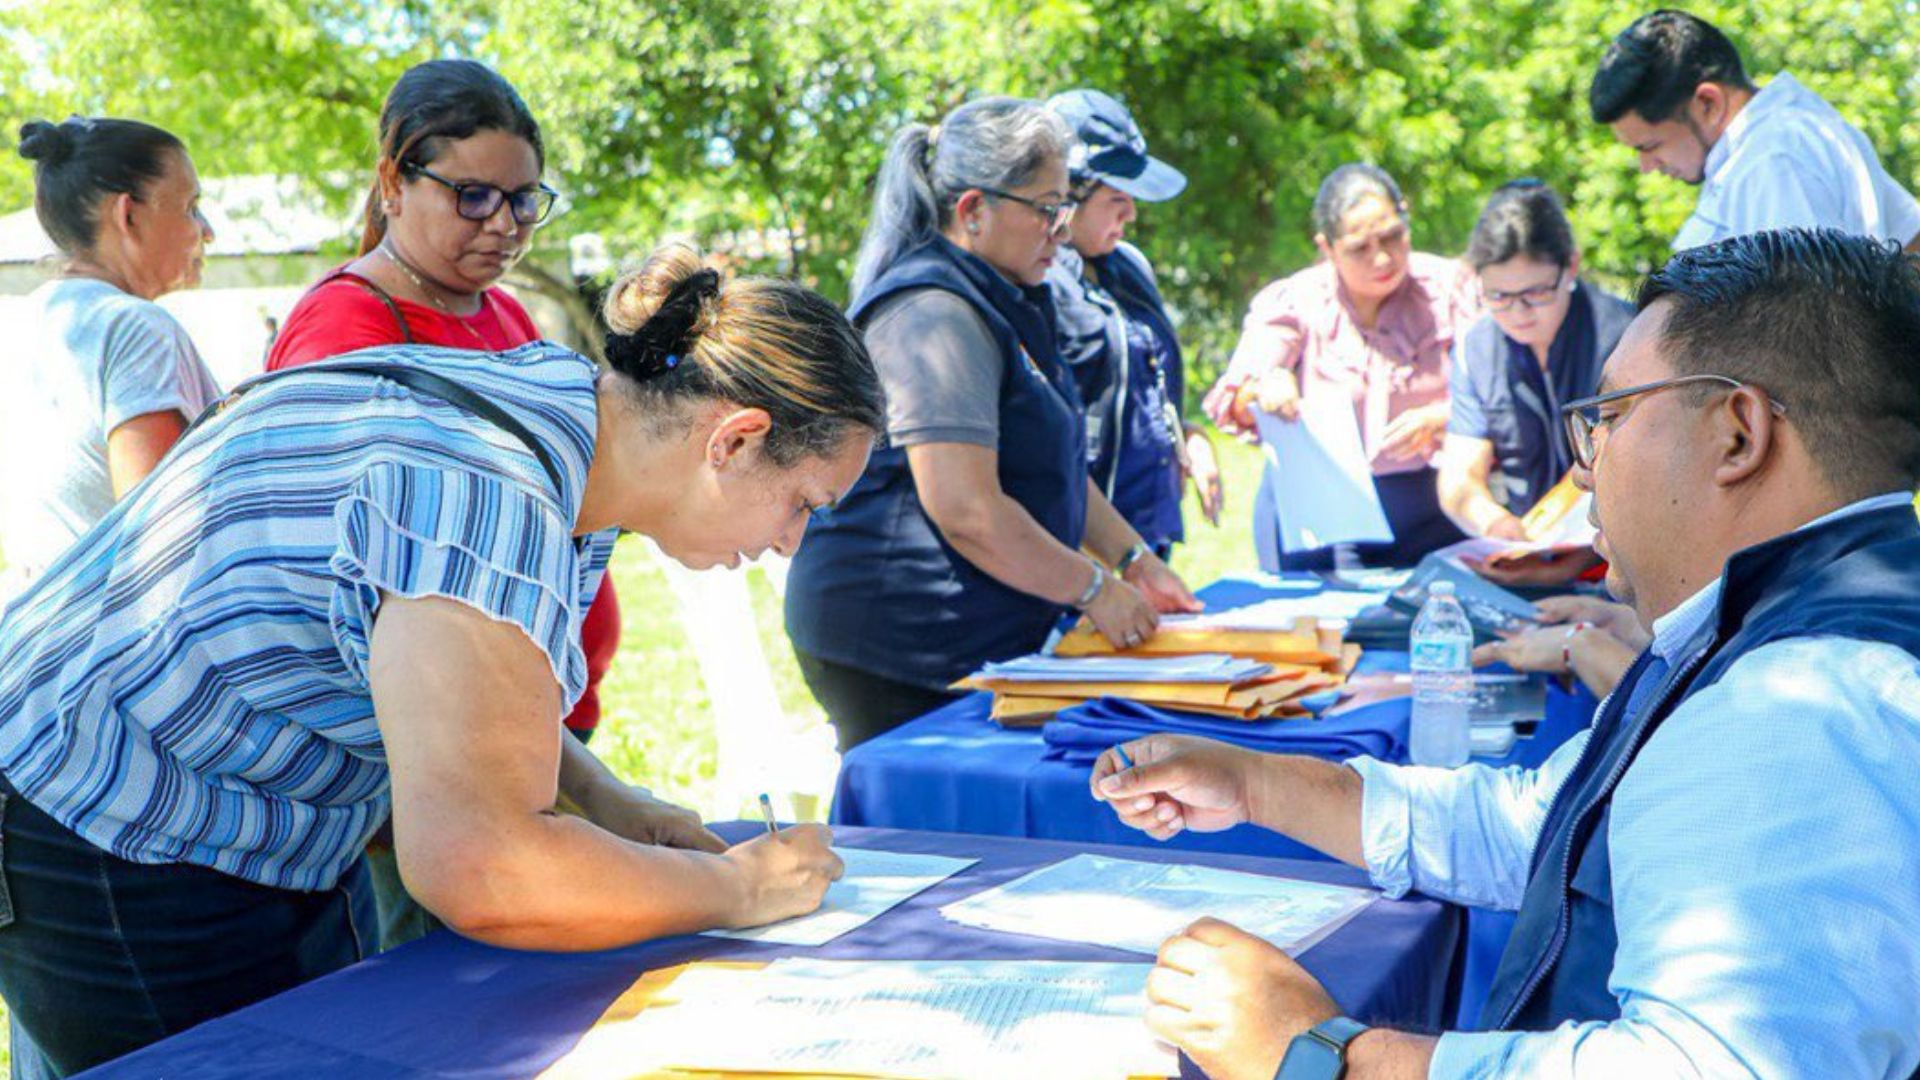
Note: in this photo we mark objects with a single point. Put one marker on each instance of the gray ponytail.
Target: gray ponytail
(992, 142)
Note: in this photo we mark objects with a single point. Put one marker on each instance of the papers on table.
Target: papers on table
(1279, 613)
(875, 882)
(1137, 906)
(912, 1019)
(1199, 668)
(1319, 478)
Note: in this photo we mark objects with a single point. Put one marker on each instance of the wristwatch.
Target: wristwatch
(1134, 554)
(1320, 1052)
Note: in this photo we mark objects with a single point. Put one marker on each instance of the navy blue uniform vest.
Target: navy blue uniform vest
(1857, 577)
(1128, 450)
(875, 586)
(1521, 402)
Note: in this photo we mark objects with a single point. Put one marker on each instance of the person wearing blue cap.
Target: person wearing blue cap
(1114, 331)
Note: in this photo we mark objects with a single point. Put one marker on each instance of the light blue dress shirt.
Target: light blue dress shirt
(1766, 868)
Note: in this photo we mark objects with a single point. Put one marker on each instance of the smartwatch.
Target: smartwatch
(1320, 1052)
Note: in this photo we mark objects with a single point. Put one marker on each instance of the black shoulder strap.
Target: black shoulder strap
(417, 379)
(399, 319)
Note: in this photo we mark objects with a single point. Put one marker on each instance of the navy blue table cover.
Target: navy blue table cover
(445, 1006)
(955, 770)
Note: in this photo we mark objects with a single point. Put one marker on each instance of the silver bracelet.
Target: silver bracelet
(1086, 599)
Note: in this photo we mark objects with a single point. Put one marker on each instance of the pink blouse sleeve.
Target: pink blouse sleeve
(1272, 335)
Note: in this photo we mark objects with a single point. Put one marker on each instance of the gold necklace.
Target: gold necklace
(433, 297)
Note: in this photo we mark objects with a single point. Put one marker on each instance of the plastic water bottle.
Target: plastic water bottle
(1442, 729)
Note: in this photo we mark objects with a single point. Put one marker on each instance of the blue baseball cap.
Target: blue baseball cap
(1108, 147)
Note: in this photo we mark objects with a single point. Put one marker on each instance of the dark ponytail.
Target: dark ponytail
(437, 102)
(80, 162)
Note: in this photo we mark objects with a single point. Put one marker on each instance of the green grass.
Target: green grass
(657, 718)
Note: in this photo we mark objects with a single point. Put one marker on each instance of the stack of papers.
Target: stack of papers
(1197, 668)
(919, 1020)
(875, 882)
(1029, 690)
(1137, 906)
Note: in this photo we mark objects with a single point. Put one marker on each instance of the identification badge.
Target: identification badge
(1176, 431)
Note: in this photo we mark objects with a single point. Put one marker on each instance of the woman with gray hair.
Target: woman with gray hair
(1367, 328)
(962, 542)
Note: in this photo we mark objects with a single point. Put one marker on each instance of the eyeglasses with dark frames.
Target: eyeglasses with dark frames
(1584, 418)
(1058, 215)
(478, 202)
(1538, 296)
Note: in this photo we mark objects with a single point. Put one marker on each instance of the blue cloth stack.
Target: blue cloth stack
(1079, 734)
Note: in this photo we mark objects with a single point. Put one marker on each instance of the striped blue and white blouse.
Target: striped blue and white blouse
(189, 682)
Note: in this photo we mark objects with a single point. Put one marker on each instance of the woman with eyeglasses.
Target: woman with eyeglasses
(456, 197)
(104, 380)
(1541, 344)
(1366, 329)
(962, 542)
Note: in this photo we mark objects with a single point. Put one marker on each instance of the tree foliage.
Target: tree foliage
(761, 122)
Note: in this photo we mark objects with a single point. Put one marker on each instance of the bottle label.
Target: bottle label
(1441, 654)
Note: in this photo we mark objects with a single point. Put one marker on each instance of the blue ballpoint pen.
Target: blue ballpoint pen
(766, 812)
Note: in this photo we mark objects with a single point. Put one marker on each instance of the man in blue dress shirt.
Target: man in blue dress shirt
(1721, 877)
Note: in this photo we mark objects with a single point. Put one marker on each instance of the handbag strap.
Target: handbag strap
(419, 380)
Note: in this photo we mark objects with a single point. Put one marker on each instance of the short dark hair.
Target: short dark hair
(81, 161)
(1655, 65)
(1347, 187)
(438, 102)
(1826, 322)
(1522, 218)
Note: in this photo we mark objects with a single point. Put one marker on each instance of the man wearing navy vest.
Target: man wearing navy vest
(1722, 877)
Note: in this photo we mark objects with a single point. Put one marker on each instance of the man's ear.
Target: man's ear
(1747, 436)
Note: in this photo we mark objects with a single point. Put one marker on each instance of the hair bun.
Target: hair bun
(49, 144)
(657, 345)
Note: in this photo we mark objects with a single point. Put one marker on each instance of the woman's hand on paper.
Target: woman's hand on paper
(1122, 613)
(1161, 586)
(784, 874)
(1176, 782)
(1278, 392)
(1231, 1001)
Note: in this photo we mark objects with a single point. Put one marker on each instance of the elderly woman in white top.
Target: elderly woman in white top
(105, 380)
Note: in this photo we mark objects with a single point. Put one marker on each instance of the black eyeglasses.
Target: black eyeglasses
(1537, 297)
(1584, 420)
(1058, 215)
(478, 202)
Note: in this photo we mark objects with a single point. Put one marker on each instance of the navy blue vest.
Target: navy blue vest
(1521, 403)
(1856, 577)
(875, 586)
(1128, 449)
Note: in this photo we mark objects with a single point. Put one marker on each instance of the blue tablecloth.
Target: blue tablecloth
(955, 770)
(445, 1006)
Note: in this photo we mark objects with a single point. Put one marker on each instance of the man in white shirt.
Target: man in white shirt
(1672, 87)
(1721, 877)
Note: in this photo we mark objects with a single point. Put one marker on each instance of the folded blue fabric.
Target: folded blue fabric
(1079, 734)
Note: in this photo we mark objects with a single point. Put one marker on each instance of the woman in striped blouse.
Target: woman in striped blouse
(348, 594)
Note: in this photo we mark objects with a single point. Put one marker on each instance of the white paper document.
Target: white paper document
(1137, 906)
(1318, 476)
(1279, 613)
(937, 1020)
(1192, 668)
(875, 882)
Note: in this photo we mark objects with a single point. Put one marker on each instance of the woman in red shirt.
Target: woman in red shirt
(455, 200)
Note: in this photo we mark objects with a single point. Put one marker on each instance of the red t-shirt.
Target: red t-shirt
(339, 315)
